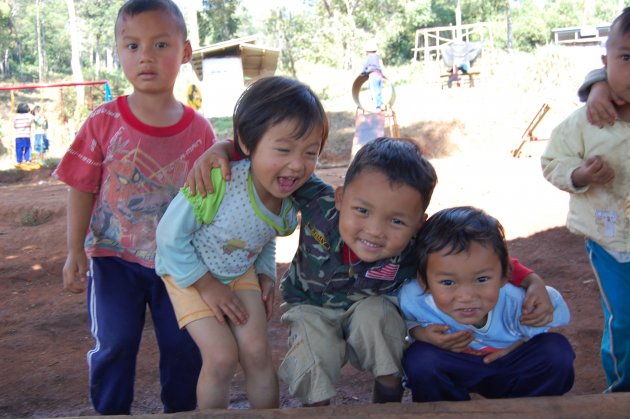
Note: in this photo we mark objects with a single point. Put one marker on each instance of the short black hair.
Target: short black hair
(23, 108)
(620, 26)
(400, 160)
(453, 230)
(271, 100)
(136, 7)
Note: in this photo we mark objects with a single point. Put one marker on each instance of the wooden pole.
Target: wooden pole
(458, 21)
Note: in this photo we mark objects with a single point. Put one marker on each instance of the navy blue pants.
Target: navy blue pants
(118, 294)
(23, 149)
(542, 366)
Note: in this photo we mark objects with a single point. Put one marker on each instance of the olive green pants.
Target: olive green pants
(370, 334)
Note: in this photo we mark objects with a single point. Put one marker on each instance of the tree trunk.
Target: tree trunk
(509, 26)
(75, 43)
(97, 63)
(109, 60)
(40, 49)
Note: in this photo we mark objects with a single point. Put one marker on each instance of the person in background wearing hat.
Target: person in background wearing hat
(374, 69)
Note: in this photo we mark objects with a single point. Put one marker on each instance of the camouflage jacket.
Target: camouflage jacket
(318, 275)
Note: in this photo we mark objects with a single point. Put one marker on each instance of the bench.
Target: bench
(468, 77)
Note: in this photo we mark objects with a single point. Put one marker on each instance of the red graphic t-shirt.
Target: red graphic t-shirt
(135, 170)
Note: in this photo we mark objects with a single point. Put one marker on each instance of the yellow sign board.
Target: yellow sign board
(194, 97)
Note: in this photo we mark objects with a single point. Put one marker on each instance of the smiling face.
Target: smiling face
(377, 218)
(465, 285)
(282, 163)
(151, 49)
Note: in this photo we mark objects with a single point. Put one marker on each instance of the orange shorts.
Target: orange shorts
(188, 304)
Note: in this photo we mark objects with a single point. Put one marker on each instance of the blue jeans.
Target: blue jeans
(41, 143)
(376, 87)
(614, 285)
(118, 294)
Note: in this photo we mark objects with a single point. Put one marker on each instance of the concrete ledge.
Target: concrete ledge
(607, 406)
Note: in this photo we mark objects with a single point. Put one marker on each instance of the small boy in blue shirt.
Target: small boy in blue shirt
(463, 268)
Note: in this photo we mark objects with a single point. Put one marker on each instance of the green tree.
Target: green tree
(22, 57)
(75, 46)
(400, 38)
(529, 30)
(218, 21)
(7, 36)
(473, 11)
(293, 34)
(98, 17)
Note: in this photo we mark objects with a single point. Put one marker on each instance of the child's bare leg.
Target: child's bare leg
(255, 354)
(219, 354)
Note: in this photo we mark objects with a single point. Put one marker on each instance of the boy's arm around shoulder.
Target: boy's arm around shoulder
(561, 313)
(600, 100)
(591, 78)
(218, 155)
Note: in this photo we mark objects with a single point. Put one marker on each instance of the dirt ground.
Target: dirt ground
(44, 334)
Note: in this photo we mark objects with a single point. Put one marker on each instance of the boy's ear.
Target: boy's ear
(605, 60)
(187, 52)
(242, 145)
(424, 287)
(422, 220)
(338, 197)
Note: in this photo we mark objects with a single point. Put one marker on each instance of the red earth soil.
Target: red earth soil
(44, 333)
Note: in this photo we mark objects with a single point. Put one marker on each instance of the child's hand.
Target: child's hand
(501, 353)
(537, 308)
(600, 105)
(222, 300)
(593, 170)
(436, 335)
(267, 293)
(198, 178)
(75, 272)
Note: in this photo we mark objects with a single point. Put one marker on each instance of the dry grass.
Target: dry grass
(35, 216)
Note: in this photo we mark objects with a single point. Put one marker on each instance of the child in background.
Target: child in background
(22, 125)
(463, 268)
(355, 251)
(207, 246)
(373, 67)
(41, 125)
(126, 164)
(591, 163)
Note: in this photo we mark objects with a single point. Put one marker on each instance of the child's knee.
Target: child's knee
(556, 349)
(220, 365)
(379, 314)
(256, 353)
(421, 362)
